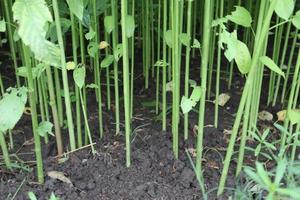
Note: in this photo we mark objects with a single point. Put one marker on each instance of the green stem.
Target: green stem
(34, 117)
(5, 151)
(64, 76)
(257, 49)
(126, 81)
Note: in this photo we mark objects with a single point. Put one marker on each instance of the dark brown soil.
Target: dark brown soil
(154, 174)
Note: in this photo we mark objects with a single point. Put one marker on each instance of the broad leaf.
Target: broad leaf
(185, 39)
(36, 71)
(2, 26)
(91, 34)
(11, 108)
(186, 105)
(230, 39)
(118, 51)
(130, 26)
(79, 76)
(296, 20)
(168, 38)
(240, 16)
(107, 61)
(196, 95)
(284, 8)
(92, 49)
(196, 44)
(243, 58)
(45, 128)
(294, 116)
(109, 23)
(271, 65)
(76, 7)
(32, 17)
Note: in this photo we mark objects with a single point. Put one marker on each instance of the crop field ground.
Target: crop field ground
(149, 99)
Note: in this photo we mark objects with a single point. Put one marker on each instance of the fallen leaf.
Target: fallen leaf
(192, 151)
(223, 99)
(29, 142)
(59, 176)
(212, 164)
(103, 45)
(265, 116)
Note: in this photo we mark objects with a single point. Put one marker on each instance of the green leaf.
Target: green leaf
(79, 76)
(2, 26)
(240, 16)
(92, 49)
(296, 20)
(291, 192)
(253, 176)
(257, 150)
(280, 170)
(53, 197)
(243, 57)
(168, 38)
(92, 86)
(263, 174)
(91, 34)
(196, 95)
(36, 71)
(271, 65)
(76, 7)
(45, 128)
(220, 21)
(118, 52)
(294, 116)
(107, 61)
(185, 39)
(230, 39)
(186, 105)
(11, 108)
(109, 23)
(130, 25)
(161, 63)
(33, 17)
(31, 196)
(284, 8)
(196, 44)
(16, 36)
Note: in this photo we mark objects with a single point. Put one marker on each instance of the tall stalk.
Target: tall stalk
(10, 38)
(204, 66)
(64, 76)
(187, 66)
(175, 76)
(114, 9)
(34, 116)
(126, 81)
(164, 70)
(97, 69)
(249, 82)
